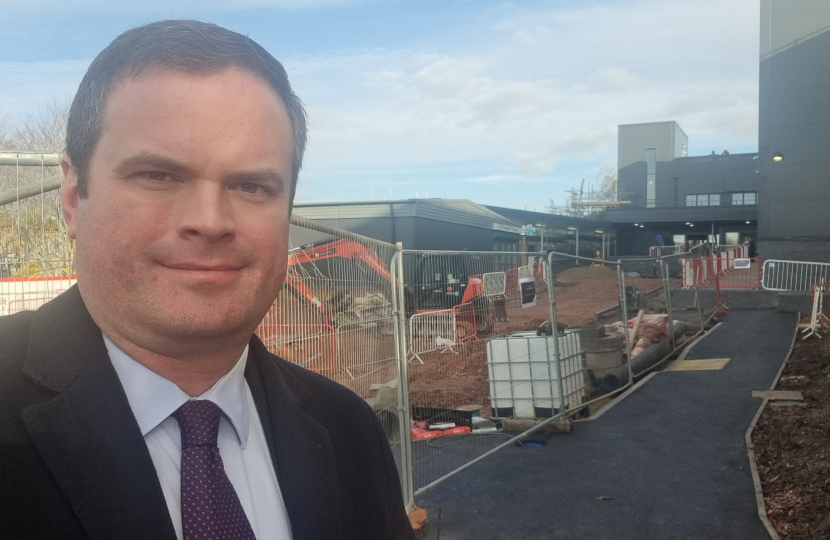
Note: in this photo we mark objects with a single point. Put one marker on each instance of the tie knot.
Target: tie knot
(198, 422)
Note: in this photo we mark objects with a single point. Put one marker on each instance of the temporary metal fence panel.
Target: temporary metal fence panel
(28, 285)
(780, 275)
(33, 235)
(494, 283)
(432, 331)
(365, 345)
(587, 295)
(465, 322)
(335, 315)
(476, 295)
(722, 271)
(660, 251)
(312, 346)
(738, 273)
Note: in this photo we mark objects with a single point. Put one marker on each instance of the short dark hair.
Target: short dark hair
(183, 45)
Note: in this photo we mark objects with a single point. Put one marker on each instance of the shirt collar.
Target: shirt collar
(153, 398)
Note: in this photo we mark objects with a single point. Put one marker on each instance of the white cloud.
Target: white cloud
(615, 80)
(503, 179)
(540, 89)
(517, 100)
(121, 6)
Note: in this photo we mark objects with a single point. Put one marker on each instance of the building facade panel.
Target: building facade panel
(794, 126)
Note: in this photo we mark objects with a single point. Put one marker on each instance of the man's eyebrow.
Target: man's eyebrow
(152, 161)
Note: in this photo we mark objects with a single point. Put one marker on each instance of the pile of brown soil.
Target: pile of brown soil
(792, 448)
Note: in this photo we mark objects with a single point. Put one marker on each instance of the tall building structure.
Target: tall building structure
(794, 130)
(677, 199)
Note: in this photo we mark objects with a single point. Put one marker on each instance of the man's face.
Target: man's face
(183, 234)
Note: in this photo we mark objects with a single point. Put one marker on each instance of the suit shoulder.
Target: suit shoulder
(14, 339)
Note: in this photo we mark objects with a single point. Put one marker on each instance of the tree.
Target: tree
(607, 185)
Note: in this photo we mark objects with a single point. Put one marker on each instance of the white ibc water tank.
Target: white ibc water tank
(523, 376)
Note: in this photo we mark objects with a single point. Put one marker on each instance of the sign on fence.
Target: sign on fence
(528, 288)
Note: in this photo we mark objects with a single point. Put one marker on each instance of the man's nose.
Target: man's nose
(206, 211)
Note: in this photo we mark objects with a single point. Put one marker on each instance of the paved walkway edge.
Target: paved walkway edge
(750, 448)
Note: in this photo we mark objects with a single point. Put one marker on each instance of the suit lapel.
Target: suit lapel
(87, 434)
(300, 448)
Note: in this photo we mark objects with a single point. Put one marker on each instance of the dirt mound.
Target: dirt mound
(580, 273)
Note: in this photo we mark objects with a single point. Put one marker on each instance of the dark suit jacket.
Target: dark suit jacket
(73, 463)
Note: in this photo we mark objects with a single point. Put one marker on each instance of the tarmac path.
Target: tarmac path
(666, 462)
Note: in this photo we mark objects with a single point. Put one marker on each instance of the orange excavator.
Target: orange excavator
(434, 281)
(314, 255)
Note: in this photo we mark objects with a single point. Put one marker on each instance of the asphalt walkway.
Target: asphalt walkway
(666, 462)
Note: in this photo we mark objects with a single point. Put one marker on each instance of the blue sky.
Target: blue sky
(504, 103)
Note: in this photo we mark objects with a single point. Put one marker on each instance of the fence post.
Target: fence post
(404, 420)
(555, 331)
(664, 268)
(624, 308)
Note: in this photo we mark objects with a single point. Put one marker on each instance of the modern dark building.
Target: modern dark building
(460, 224)
(794, 130)
(781, 195)
(551, 232)
(681, 198)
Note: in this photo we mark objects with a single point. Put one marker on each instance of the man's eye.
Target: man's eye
(251, 188)
(154, 176)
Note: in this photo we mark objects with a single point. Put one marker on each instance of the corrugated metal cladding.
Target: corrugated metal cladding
(349, 211)
(459, 211)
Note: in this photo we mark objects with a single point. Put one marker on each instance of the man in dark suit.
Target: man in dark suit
(139, 404)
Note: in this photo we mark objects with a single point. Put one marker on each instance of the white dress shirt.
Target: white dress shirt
(241, 441)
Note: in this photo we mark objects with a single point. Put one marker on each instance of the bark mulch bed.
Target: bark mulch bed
(792, 447)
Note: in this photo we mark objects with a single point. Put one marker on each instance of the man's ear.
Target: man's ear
(69, 196)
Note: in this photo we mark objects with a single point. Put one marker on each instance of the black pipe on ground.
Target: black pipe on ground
(653, 354)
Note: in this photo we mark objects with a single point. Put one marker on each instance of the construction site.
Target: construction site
(650, 356)
(465, 354)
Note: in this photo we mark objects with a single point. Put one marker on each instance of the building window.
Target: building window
(651, 177)
(744, 198)
(705, 199)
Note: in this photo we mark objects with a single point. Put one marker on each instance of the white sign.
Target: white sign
(743, 263)
(527, 286)
(507, 228)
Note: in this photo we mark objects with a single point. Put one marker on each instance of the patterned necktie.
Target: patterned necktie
(210, 506)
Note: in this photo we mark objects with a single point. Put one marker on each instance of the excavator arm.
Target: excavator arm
(347, 249)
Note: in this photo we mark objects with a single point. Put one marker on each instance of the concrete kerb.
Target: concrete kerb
(750, 448)
(617, 399)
